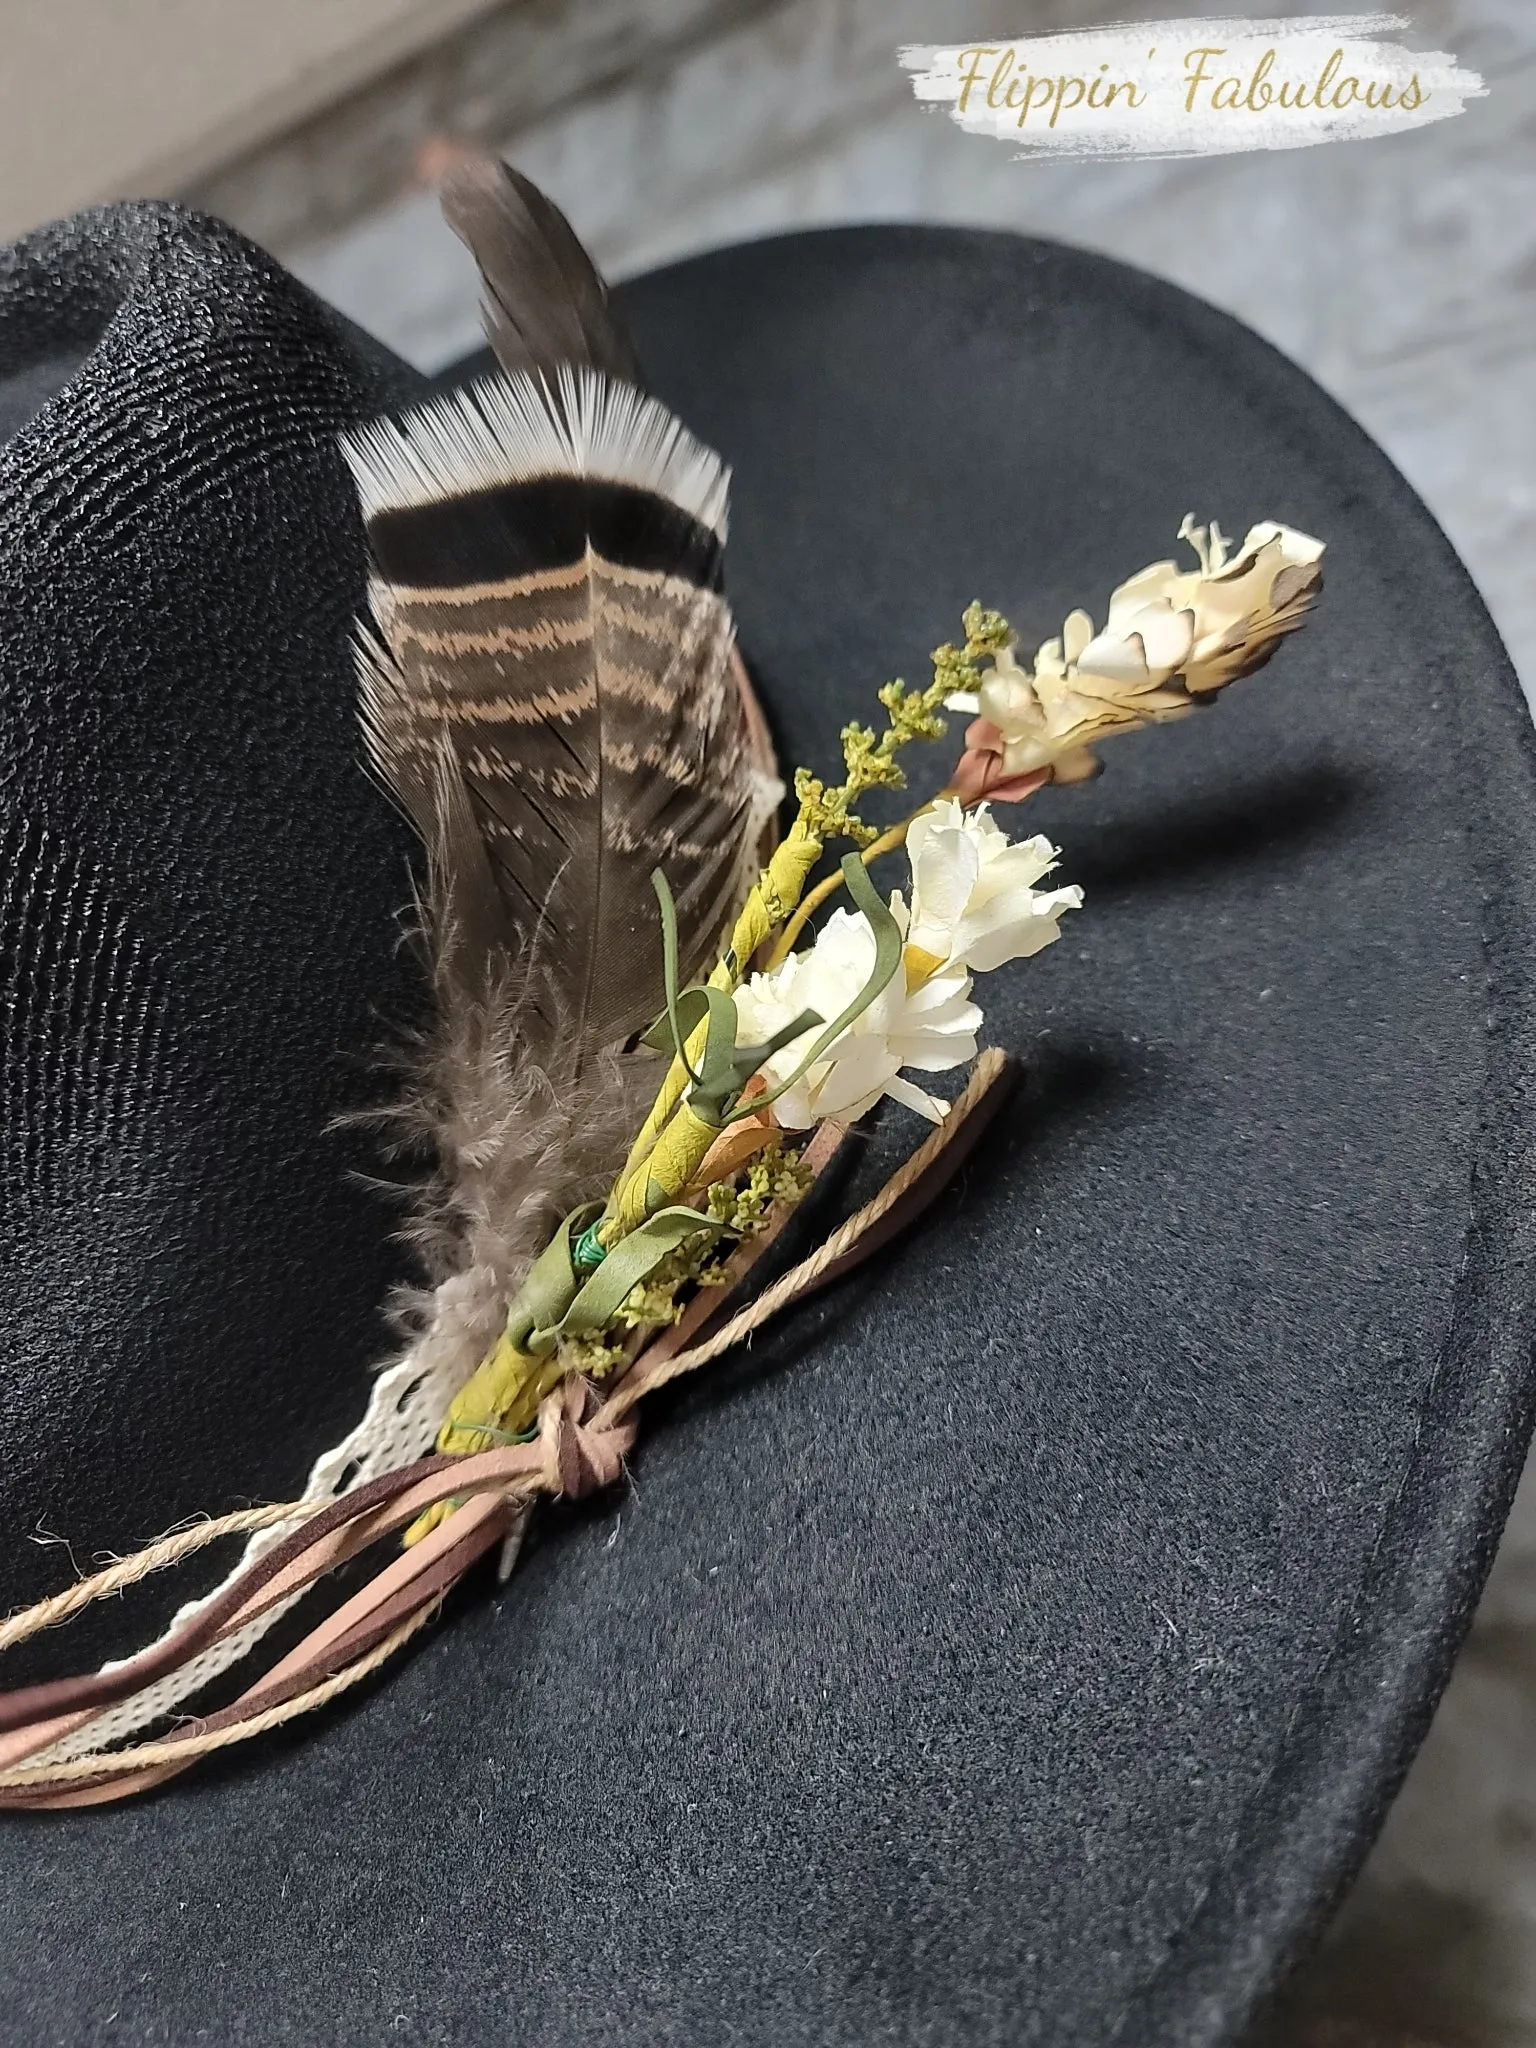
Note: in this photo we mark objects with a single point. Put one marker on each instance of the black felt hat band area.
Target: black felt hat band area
(1021, 1640)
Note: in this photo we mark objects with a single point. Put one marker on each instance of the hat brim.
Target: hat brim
(1021, 1643)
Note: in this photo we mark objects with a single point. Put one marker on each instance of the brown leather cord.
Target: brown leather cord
(490, 1479)
(908, 1190)
(580, 1448)
(325, 1541)
(106, 1688)
(827, 1145)
(933, 1174)
(72, 1787)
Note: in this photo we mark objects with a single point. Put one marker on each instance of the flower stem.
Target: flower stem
(776, 892)
(810, 904)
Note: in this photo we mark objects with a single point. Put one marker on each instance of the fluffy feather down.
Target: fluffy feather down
(513, 1144)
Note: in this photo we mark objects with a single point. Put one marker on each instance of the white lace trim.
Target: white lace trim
(403, 1416)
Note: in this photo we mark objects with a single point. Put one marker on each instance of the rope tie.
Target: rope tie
(579, 1460)
(580, 1448)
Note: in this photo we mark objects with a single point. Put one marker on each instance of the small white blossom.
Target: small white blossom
(974, 906)
(931, 1028)
(974, 903)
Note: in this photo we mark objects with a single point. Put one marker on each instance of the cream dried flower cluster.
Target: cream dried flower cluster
(974, 907)
(1172, 637)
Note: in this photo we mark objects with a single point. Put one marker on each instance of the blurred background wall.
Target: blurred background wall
(103, 99)
(1401, 273)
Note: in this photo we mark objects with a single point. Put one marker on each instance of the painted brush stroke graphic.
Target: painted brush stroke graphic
(1193, 87)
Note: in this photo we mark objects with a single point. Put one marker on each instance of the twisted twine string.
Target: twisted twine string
(830, 1258)
(179, 1752)
(575, 1452)
(127, 1571)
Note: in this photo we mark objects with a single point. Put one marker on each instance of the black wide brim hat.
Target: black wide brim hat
(1022, 1642)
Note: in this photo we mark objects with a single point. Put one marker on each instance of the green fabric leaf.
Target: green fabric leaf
(552, 1304)
(677, 1033)
(551, 1283)
(691, 1010)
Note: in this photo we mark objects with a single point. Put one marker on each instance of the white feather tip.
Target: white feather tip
(512, 429)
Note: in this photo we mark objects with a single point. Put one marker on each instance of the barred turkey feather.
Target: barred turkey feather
(550, 692)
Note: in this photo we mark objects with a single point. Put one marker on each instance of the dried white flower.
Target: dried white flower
(1210, 625)
(974, 906)
(1172, 637)
(931, 1028)
(974, 903)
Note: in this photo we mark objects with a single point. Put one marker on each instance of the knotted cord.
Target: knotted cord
(580, 1447)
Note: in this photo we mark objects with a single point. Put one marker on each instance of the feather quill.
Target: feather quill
(550, 692)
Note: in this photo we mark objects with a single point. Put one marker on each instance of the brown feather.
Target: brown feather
(555, 744)
(551, 692)
(544, 304)
(557, 734)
